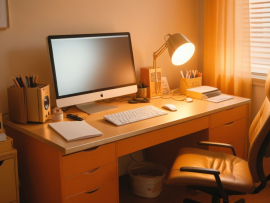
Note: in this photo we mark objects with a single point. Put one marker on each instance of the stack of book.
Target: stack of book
(207, 93)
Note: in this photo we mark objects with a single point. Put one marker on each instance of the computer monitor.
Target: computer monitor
(90, 67)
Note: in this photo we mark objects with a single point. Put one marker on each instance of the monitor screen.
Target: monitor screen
(91, 64)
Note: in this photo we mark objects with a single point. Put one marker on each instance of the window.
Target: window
(260, 37)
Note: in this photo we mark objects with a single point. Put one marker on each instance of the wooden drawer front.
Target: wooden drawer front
(90, 179)
(229, 132)
(89, 159)
(238, 147)
(133, 144)
(105, 193)
(7, 181)
(227, 116)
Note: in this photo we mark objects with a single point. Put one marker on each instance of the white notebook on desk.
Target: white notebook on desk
(75, 130)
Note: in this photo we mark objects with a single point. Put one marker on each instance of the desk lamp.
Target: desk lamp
(180, 50)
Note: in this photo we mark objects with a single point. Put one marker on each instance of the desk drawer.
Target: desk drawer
(227, 116)
(90, 179)
(83, 161)
(229, 132)
(105, 193)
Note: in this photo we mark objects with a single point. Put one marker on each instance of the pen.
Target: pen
(19, 82)
(26, 81)
(36, 78)
(20, 78)
(182, 74)
(31, 80)
(15, 82)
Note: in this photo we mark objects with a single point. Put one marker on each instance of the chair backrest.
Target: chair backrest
(259, 137)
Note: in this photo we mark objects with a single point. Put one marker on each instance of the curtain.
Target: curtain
(227, 64)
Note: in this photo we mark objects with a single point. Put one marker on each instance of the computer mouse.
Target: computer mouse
(189, 100)
(170, 107)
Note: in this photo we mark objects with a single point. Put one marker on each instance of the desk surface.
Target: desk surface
(111, 133)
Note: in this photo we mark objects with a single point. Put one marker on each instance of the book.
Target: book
(75, 130)
(202, 92)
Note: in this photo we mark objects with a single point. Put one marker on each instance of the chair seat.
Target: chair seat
(234, 171)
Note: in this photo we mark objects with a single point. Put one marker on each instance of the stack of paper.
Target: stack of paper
(202, 92)
(75, 130)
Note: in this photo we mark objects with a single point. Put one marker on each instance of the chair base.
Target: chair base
(214, 200)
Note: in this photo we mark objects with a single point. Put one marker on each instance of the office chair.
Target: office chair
(222, 175)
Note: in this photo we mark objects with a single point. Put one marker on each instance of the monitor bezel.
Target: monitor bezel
(49, 41)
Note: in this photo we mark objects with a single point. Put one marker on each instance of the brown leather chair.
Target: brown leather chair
(221, 174)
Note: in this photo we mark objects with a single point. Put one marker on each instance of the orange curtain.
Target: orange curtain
(227, 47)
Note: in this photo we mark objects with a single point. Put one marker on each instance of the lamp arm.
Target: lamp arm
(155, 55)
(160, 50)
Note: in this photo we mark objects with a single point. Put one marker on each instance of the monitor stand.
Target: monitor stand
(93, 107)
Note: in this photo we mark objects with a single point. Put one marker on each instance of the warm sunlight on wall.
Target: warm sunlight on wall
(23, 49)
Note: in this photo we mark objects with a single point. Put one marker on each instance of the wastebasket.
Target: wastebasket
(146, 179)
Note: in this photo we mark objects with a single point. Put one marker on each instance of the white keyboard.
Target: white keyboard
(134, 115)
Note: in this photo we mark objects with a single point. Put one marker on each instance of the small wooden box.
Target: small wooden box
(189, 83)
(147, 77)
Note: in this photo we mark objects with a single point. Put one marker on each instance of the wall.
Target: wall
(23, 49)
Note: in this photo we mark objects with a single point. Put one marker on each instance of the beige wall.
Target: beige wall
(23, 49)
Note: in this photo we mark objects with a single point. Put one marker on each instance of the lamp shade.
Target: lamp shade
(180, 49)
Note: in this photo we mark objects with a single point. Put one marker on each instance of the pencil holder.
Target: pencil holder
(29, 104)
(189, 83)
(142, 92)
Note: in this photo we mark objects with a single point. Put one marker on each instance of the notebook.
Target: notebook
(75, 130)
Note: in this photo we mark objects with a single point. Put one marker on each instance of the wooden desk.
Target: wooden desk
(53, 170)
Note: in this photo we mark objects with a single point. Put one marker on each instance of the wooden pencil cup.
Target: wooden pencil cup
(142, 92)
(189, 83)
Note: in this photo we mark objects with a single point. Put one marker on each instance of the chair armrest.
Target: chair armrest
(218, 144)
(200, 170)
(207, 171)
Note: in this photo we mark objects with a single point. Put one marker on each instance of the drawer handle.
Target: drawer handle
(93, 190)
(91, 149)
(230, 109)
(91, 171)
(228, 124)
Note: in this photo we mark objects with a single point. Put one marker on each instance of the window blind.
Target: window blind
(260, 36)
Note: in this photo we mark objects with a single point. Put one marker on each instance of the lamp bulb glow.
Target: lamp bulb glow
(183, 54)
